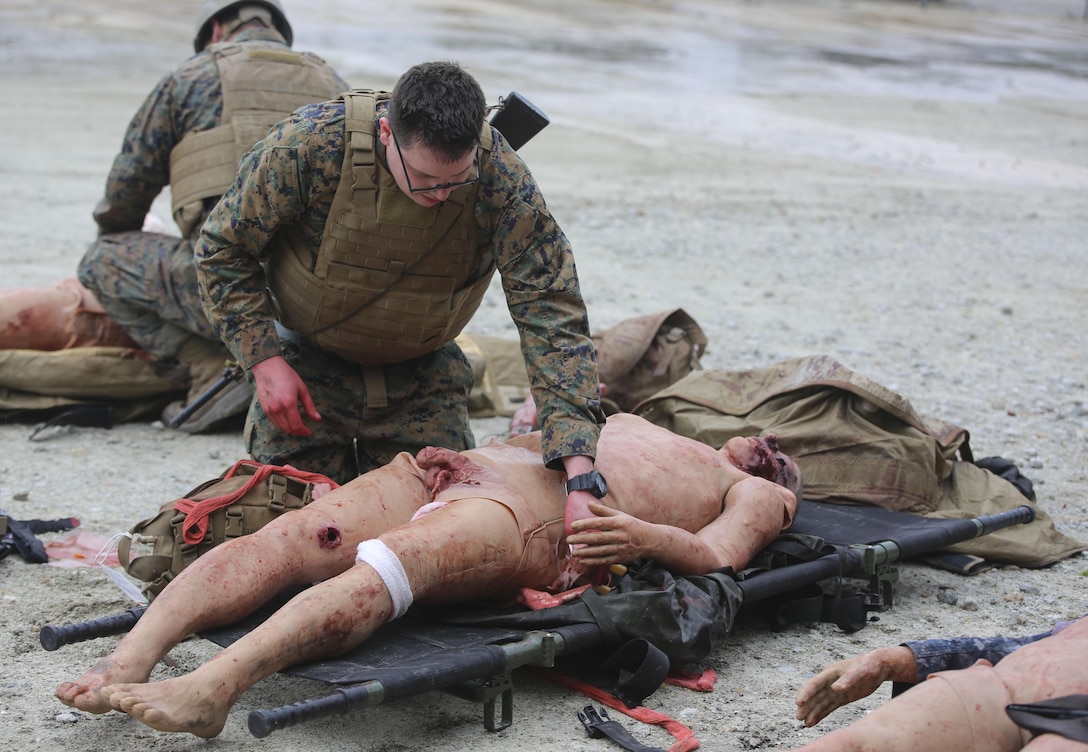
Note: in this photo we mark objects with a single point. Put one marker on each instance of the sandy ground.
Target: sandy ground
(898, 186)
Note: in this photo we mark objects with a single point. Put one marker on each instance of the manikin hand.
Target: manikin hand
(610, 537)
(524, 418)
(846, 681)
(281, 390)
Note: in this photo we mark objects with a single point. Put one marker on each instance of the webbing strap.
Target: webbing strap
(642, 668)
(685, 737)
(197, 512)
(376, 395)
(598, 724)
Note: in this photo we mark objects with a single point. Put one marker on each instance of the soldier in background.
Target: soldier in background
(189, 135)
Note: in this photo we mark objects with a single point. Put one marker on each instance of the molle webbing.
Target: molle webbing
(244, 499)
(390, 281)
(260, 86)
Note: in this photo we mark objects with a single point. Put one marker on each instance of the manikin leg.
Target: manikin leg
(469, 549)
(232, 580)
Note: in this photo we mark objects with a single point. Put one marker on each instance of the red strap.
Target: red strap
(685, 737)
(703, 682)
(197, 512)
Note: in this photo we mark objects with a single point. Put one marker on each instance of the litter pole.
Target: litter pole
(859, 560)
(264, 721)
(53, 636)
(536, 648)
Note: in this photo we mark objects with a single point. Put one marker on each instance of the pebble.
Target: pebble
(66, 718)
(947, 595)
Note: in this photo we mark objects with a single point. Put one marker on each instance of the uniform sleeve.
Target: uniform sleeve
(281, 182)
(542, 291)
(142, 168)
(932, 656)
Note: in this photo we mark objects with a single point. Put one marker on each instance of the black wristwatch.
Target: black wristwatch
(592, 481)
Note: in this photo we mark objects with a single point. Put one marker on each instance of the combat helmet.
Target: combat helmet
(209, 9)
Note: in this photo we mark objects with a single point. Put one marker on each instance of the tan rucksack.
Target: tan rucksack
(640, 356)
(853, 439)
(858, 442)
(37, 381)
(636, 358)
(242, 500)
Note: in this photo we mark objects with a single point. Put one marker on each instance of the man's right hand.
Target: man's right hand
(280, 391)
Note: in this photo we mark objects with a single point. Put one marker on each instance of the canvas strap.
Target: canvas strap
(197, 512)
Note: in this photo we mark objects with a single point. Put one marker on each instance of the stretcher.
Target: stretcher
(411, 656)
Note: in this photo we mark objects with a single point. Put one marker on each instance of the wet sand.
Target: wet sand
(898, 186)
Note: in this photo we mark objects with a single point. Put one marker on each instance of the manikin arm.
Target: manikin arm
(755, 512)
(852, 679)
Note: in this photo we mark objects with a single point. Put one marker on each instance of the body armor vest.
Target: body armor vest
(261, 86)
(392, 280)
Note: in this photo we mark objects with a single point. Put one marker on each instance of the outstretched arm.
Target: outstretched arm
(846, 681)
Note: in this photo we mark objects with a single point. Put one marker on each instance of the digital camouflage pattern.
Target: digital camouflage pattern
(146, 280)
(427, 406)
(287, 182)
(957, 653)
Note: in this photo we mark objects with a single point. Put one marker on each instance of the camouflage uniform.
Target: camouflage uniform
(286, 184)
(146, 281)
(936, 655)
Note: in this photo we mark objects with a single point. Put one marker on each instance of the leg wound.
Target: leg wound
(329, 537)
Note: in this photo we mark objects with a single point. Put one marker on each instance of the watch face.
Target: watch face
(600, 488)
(592, 481)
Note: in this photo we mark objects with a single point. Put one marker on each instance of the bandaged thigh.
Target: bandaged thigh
(388, 566)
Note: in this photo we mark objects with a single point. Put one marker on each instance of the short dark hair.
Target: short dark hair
(439, 105)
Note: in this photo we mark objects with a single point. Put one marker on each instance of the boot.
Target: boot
(207, 361)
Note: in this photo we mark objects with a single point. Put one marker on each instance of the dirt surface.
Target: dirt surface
(899, 186)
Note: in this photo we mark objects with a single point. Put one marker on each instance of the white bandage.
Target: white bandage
(388, 566)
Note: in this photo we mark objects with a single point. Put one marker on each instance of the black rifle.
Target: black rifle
(230, 373)
(494, 662)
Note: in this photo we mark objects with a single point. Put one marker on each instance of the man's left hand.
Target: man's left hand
(609, 536)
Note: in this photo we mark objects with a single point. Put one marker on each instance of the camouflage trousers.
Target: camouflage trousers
(427, 406)
(147, 284)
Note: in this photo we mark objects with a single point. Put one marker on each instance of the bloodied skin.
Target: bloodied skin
(486, 522)
(965, 709)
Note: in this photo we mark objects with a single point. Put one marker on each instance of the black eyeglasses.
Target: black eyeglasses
(444, 186)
